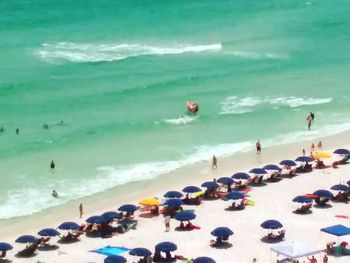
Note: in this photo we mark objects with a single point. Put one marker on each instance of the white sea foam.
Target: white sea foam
(236, 105)
(80, 52)
(256, 55)
(182, 120)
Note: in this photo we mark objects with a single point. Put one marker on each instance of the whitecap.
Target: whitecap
(93, 52)
(182, 120)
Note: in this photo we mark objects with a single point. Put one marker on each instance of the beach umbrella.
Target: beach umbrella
(341, 151)
(304, 159)
(221, 232)
(340, 187)
(323, 193)
(26, 239)
(288, 163)
(210, 184)
(272, 167)
(271, 224)
(241, 176)
(48, 232)
(128, 208)
(258, 171)
(203, 260)
(140, 252)
(96, 220)
(68, 226)
(165, 247)
(173, 202)
(348, 182)
(302, 199)
(191, 189)
(173, 194)
(5, 246)
(320, 155)
(185, 216)
(149, 201)
(110, 215)
(234, 195)
(115, 259)
(225, 180)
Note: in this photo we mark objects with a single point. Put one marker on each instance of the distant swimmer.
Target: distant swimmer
(52, 165)
(192, 106)
(54, 193)
(17, 131)
(45, 126)
(2, 129)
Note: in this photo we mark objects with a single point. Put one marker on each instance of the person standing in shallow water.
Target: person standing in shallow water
(214, 163)
(81, 211)
(52, 165)
(258, 147)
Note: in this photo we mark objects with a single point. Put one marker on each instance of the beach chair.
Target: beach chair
(341, 197)
(3, 255)
(28, 251)
(304, 209)
(279, 237)
(71, 237)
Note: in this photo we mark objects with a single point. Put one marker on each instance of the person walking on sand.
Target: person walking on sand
(167, 223)
(81, 211)
(319, 145)
(52, 165)
(258, 147)
(303, 152)
(325, 258)
(309, 121)
(214, 163)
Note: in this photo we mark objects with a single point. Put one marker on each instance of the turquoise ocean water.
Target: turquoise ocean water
(118, 74)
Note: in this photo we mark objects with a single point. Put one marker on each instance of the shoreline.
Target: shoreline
(132, 192)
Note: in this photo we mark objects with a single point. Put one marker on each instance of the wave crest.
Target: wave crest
(77, 52)
(236, 105)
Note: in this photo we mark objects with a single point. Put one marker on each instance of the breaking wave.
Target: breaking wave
(236, 105)
(79, 52)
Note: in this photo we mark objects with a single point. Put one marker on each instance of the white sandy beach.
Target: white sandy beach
(273, 201)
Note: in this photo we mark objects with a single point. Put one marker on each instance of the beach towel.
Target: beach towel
(108, 250)
(342, 216)
(249, 202)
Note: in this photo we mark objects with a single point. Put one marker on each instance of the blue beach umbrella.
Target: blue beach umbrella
(304, 159)
(288, 163)
(140, 252)
(323, 193)
(272, 167)
(225, 180)
(48, 232)
(234, 195)
(68, 226)
(96, 220)
(173, 194)
(241, 176)
(26, 239)
(210, 185)
(185, 216)
(110, 215)
(191, 189)
(173, 202)
(271, 224)
(341, 151)
(340, 187)
(115, 259)
(258, 171)
(5, 246)
(128, 208)
(203, 260)
(221, 232)
(302, 199)
(165, 247)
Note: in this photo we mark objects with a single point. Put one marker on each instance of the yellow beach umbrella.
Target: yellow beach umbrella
(320, 155)
(149, 201)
